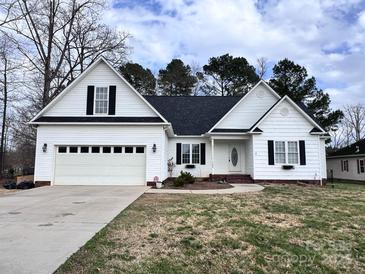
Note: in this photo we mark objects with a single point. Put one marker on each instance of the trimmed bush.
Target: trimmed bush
(184, 178)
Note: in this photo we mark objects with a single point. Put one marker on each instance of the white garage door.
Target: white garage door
(100, 165)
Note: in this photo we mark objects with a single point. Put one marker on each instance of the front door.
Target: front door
(234, 157)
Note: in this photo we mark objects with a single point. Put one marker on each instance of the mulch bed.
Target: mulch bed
(198, 185)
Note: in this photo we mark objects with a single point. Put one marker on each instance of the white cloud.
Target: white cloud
(325, 36)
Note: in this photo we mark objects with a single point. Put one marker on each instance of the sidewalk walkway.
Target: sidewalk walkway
(237, 188)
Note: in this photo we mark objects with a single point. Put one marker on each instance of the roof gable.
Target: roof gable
(72, 100)
(249, 108)
(286, 99)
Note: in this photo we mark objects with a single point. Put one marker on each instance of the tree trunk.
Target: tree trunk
(2, 141)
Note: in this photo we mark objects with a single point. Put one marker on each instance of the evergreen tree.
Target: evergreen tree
(292, 79)
(140, 78)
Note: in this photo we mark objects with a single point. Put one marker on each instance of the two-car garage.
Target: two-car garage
(100, 165)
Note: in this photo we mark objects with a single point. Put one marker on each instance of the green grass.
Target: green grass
(282, 229)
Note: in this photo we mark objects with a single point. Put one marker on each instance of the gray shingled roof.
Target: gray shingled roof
(354, 149)
(192, 115)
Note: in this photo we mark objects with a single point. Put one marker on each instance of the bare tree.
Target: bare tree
(355, 119)
(261, 67)
(51, 33)
(8, 84)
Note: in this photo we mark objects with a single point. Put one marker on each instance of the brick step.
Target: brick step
(232, 178)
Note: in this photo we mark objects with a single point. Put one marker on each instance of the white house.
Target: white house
(101, 131)
(348, 163)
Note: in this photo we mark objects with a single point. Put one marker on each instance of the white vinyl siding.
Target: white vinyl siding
(288, 128)
(99, 136)
(250, 109)
(334, 165)
(128, 104)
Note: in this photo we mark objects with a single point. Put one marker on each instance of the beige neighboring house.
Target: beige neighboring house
(348, 162)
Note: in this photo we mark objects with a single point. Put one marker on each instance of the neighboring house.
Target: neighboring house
(348, 162)
(101, 131)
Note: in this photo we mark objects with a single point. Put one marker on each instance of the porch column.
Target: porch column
(212, 145)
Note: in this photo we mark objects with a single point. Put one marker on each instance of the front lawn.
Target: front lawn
(283, 229)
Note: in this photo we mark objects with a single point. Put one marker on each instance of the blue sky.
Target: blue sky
(326, 36)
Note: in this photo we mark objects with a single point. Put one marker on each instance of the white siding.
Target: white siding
(323, 158)
(335, 166)
(293, 127)
(73, 103)
(99, 135)
(250, 109)
(249, 156)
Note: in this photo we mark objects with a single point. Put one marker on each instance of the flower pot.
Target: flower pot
(158, 185)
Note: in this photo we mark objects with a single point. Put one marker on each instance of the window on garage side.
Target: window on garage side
(73, 149)
(62, 149)
(107, 149)
(95, 149)
(84, 149)
(362, 166)
(128, 149)
(139, 149)
(117, 149)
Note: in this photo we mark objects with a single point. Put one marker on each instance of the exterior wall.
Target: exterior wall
(250, 109)
(199, 170)
(335, 166)
(128, 103)
(323, 158)
(249, 156)
(221, 154)
(293, 127)
(99, 135)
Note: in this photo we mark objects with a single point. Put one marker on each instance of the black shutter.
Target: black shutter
(202, 153)
(270, 146)
(302, 153)
(90, 100)
(358, 166)
(341, 165)
(178, 153)
(112, 94)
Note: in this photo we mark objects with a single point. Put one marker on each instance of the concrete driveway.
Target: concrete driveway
(42, 227)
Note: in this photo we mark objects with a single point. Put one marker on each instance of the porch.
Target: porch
(231, 158)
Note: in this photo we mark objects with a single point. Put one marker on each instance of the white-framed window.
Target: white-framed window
(287, 152)
(293, 152)
(185, 153)
(190, 153)
(362, 166)
(195, 153)
(101, 100)
(280, 154)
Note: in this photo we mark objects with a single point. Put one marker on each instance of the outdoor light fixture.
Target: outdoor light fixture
(154, 148)
(44, 148)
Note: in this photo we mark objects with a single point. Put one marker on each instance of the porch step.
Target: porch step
(232, 178)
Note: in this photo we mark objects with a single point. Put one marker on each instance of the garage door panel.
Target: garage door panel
(100, 168)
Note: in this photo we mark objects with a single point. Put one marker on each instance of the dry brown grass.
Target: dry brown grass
(283, 229)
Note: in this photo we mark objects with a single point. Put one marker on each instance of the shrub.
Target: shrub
(184, 178)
